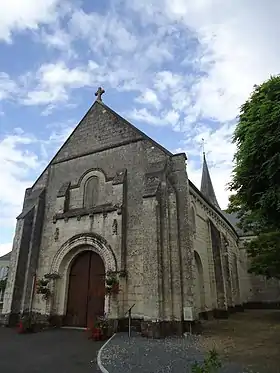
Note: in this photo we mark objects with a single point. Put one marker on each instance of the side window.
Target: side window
(91, 192)
(193, 221)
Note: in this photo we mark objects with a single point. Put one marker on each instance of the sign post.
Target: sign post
(129, 320)
(188, 316)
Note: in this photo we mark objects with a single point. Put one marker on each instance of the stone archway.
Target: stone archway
(65, 257)
(199, 284)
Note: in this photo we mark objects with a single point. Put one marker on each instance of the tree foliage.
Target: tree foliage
(256, 175)
(265, 254)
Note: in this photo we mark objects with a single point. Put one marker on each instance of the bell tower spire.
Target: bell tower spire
(206, 187)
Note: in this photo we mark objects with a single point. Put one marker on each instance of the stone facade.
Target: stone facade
(113, 190)
(4, 269)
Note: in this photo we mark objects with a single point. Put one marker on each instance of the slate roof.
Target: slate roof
(234, 220)
(207, 188)
(31, 200)
(6, 256)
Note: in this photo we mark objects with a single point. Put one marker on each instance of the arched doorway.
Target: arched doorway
(199, 284)
(86, 289)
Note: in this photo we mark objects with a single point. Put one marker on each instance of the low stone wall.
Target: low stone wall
(163, 329)
(12, 320)
(262, 305)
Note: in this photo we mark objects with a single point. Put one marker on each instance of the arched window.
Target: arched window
(91, 192)
(193, 222)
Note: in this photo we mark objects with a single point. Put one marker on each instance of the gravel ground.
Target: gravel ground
(170, 355)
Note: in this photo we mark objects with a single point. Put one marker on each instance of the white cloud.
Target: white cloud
(55, 80)
(143, 115)
(16, 163)
(103, 31)
(172, 117)
(17, 15)
(238, 47)
(7, 86)
(149, 97)
(20, 166)
(168, 80)
(58, 38)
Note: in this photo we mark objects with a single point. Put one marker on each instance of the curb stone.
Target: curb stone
(99, 362)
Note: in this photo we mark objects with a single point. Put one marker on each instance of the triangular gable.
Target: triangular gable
(118, 132)
(100, 129)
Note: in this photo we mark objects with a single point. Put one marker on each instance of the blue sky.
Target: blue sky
(177, 70)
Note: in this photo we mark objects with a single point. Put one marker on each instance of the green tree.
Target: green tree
(256, 176)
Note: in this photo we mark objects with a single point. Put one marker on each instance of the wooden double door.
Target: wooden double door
(86, 290)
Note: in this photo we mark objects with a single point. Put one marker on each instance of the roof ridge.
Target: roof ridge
(6, 256)
(98, 102)
(135, 128)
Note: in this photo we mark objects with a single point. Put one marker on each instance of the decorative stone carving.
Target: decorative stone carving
(152, 179)
(115, 227)
(83, 241)
(118, 206)
(64, 189)
(119, 177)
(152, 183)
(56, 234)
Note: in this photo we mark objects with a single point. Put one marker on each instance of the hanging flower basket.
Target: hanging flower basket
(112, 284)
(113, 289)
(43, 284)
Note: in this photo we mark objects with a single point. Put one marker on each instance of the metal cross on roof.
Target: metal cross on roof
(99, 93)
(203, 142)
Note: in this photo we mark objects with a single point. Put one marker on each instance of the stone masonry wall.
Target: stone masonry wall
(256, 289)
(134, 157)
(203, 246)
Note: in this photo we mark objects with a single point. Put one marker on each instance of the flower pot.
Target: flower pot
(20, 328)
(96, 334)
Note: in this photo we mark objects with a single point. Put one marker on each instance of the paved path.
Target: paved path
(141, 355)
(51, 351)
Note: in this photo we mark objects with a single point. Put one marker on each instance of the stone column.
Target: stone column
(179, 180)
(152, 302)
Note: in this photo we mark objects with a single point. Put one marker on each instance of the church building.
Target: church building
(113, 222)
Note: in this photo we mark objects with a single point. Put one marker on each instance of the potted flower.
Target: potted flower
(101, 329)
(27, 324)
